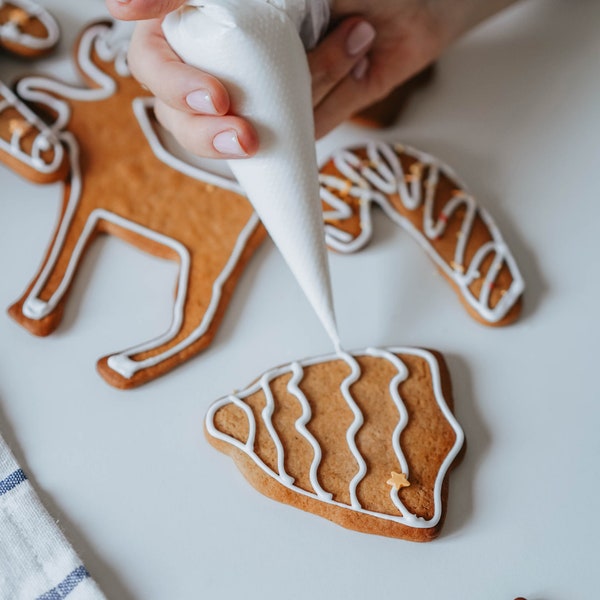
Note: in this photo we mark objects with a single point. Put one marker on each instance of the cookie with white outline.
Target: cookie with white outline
(426, 198)
(26, 144)
(123, 181)
(26, 28)
(366, 439)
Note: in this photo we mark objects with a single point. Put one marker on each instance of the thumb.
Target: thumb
(140, 10)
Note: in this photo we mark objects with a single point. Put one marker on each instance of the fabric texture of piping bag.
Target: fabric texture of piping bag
(254, 47)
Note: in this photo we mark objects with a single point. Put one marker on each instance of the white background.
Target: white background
(156, 513)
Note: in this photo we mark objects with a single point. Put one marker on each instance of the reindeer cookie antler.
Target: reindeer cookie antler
(124, 183)
(426, 198)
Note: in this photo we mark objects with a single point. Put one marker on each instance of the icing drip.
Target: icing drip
(381, 175)
(403, 515)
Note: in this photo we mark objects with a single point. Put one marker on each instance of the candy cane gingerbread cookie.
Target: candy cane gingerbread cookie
(426, 198)
(123, 182)
(365, 439)
(27, 146)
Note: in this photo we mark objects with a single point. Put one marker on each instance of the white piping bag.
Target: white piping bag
(255, 48)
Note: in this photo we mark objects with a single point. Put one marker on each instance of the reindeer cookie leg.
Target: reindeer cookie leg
(41, 307)
(200, 303)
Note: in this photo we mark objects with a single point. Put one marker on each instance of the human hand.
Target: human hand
(194, 105)
(360, 61)
(411, 34)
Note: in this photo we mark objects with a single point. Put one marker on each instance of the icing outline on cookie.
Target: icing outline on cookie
(383, 175)
(45, 139)
(405, 517)
(40, 90)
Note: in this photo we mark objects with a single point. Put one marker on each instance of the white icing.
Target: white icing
(254, 48)
(267, 415)
(402, 422)
(45, 138)
(404, 516)
(382, 176)
(293, 388)
(354, 427)
(35, 88)
(13, 33)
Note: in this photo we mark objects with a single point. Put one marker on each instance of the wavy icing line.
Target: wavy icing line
(360, 181)
(36, 89)
(12, 32)
(405, 517)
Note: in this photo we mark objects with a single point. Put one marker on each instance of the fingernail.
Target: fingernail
(360, 38)
(201, 101)
(227, 143)
(361, 68)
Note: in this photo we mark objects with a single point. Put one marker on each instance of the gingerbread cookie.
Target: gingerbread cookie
(426, 198)
(123, 182)
(27, 146)
(26, 29)
(364, 439)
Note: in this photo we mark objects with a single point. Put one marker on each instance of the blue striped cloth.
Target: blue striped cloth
(36, 561)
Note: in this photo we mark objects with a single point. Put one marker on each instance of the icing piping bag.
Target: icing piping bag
(255, 48)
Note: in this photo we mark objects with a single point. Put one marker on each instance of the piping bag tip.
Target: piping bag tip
(262, 63)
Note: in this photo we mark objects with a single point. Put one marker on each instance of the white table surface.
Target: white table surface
(156, 513)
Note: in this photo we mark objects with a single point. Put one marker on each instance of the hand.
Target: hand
(411, 34)
(194, 106)
(360, 61)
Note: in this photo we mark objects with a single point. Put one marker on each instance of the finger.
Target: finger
(137, 10)
(155, 65)
(338, 53)
(209, 137)
(356, 91)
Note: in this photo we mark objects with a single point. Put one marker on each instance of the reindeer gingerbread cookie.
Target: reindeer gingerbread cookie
(426, 198)
(366, 439)
(122, 181)
(27, 146)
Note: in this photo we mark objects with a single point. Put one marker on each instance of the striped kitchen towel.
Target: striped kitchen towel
(36, 561)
